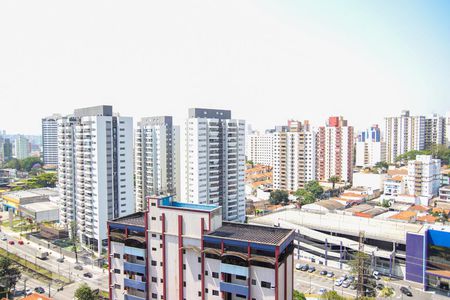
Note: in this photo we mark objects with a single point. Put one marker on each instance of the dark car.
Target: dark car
(39, 290)
(380, 286)
(311, 270)
(88, 275)
(60, 260)
(324, 272)
(370, 292)
(406, 291)
(78, 267)
(304, 268)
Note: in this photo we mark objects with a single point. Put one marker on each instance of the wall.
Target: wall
(414, 257)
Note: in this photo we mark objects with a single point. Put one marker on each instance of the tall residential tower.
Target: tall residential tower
(50, 140)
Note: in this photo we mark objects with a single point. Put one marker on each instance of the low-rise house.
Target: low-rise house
(404, 216)
(323, 206)
(444, 193)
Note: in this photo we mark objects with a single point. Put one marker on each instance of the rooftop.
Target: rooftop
(21, 194)
(419, 208)
(136, 219)
(404, 216)
(168, 202)
(252, 233)
(40, 206)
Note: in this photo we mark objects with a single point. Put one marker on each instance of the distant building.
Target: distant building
(434, 131)
(260, 148)
(444, 194)
(13, 200)
(179, 250)
(294, 160)
(95, 172)
(424, 176)
(335, 150)
(157, 159)
(6, 149)
(215, 161)
(50, 140)
(447, 129)
(21, 147)
(369, 147)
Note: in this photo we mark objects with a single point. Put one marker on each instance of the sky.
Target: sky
(267, 61)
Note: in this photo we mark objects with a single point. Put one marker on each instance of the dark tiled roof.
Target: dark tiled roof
(136, 219)
(251, 233)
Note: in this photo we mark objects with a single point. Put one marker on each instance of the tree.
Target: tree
(386, 203)
(73, 233)
(250, 162)
(382, 165)
(305, 196)
(84, 292)
(354, 264)
(332, 295)
(314, 188)
(298, 295)
(9, 274)
(279, 196)
(387, 292)
(411, 155)
(333, 180)
(29, 163)
(43, 180)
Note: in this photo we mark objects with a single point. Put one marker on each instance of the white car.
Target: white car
(28, 292)
(4, 238)
(338, 282)
(322, 291)
(298, 266)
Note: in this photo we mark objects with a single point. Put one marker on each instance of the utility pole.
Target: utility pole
(360, 265)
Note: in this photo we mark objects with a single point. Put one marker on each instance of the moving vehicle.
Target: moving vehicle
(20, 242)
(39, 290)
(11, 242)
(323, 272)
(406, 291)
(42, 254)
(88, 275)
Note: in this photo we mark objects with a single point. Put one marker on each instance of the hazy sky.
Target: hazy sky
(267, 61)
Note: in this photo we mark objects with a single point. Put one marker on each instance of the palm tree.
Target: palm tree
(334, 180)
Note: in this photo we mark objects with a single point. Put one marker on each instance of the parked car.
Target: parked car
(406, 291)
(20, 242)
(60, 260)
(370, 292)
(380, 286)
(353, 286)
(78, 267)
(39, 290)
(304, 268)
(298, 266)
(11, 242)
(351, 278)
(323, 272)
(338, 282)
(330, 274)
(28, 292)
(376, 275)
(311, 270)
(88, 275)
(4, 238)
(322, 291)
(346, 283)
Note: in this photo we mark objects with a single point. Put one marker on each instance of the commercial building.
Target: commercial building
(21, 147)
(215, 161)
(157, 160)
(294, 156)
(260, 148)
(179, 250)
(50, 140)
(369, 148)
(40, 211)
(427, 258)
(13, 200)
(424, 176)
(95, 171)
(335, 150)
(402, 134)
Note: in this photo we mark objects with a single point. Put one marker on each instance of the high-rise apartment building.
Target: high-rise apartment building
(294, 156)
(434, 131)
(215, 161)
(369, 148)
(260, 148)
(179, 250)
(157, 162)
(447, 129)
(50, 140)
(21, 147)
(95, 172)
(335, 150)
(424, 176)
(402, 134)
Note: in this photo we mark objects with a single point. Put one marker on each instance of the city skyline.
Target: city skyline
(310, 63)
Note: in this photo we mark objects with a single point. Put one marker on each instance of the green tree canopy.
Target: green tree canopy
(39, 181)
(437, 151)
(279, 196)
(334, 180)
(305, 196)
(25, 164)
(84, 292)
(382, 165)
(332, 295)
(9, 274)
(314, 188)
(298, 295)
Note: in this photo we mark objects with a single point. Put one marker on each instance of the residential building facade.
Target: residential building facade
(260, 148)
(95, 172)
(424, 176)
(294, 156)
(369, 148)
(179, 250)
(434, 131)
(402, 134)
(50, 140)
(157, 162)
(21, 147)
(335, 150)
(215, 161)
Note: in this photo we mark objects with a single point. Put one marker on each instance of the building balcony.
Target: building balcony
(234, 288)
(234, 269)
(132, 297)
(140, 285)
(134, 251)
(136, 268)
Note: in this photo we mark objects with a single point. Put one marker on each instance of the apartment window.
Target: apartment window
(206, 291)
(117, 286)
(117, 271)
(199, 294)
(116, 255)
(153, 249)
(241, 296)
(184, 283)
(215, 275)
(199, 259)
(184, 251)
(153, 204)
(184, 266)
(215, 293)
(154, 279)
(154, 263)
(153, 235)
(153, 218)
(238, 277)
(253, 281)
(206, 273)
(266, 284)
(154, 296)
(199, 277)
